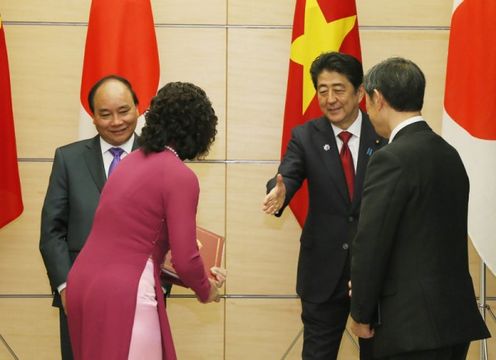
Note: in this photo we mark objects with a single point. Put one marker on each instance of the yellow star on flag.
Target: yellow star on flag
(319, 36)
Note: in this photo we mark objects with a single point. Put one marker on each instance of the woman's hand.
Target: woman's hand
(220, 278)
(220, 275)
(214, 294)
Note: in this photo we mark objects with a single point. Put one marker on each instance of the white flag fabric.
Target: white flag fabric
(469, 121)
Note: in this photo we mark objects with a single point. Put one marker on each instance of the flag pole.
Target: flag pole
(482, 308)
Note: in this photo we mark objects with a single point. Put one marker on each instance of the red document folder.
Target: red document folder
(211, 248)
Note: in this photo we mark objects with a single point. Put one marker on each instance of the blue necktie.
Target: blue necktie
(116, 153)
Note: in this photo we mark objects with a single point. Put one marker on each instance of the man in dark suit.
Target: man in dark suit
(334, 168)
(78, 175)
(409, 257)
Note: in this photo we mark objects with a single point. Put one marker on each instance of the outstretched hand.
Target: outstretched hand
(274, 200)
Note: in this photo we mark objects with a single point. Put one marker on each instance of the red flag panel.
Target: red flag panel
(10, 188)
(471, 71)
(121, 40)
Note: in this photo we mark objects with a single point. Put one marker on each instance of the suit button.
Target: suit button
(351, 219)
(345, 246)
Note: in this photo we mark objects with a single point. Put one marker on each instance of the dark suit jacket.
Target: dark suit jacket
(76, 181)
(312, 154)
(410, 252)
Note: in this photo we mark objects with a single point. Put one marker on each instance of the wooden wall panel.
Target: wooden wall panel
(270, 329)
(5, 353)
(47, 10)
(198, 55)
(404, 13)
(475, 272)
(21, 266)
(261, 251)
(164, 11)
(258, 70)
(427, 48)
(240, 12)
(189, 11)
(45, 70)
(491, 324)
(30, 328)
(261, 12)
(261, 328)
(370, 13)
(197, 329)
(211, 208)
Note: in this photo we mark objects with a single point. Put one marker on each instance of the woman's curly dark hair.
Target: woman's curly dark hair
(180, 116)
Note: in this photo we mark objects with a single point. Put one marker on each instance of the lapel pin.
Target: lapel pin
(327, 147)
(377, 141)
(369, 151)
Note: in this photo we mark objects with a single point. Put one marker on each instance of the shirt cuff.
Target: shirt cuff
(61, 287)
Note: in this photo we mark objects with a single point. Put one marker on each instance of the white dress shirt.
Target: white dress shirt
(403, 124)
(108, 157)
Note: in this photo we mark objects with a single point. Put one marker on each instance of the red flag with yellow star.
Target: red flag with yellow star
(319, 26)
(10, 188)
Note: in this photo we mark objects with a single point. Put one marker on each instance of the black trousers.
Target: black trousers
(65, 341)
(324, 324)
(455, 352)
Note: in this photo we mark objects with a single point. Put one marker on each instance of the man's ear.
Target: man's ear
(361, 93)
(378, 99)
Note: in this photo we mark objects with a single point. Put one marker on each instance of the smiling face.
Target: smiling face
(115, 114)
(338, 99)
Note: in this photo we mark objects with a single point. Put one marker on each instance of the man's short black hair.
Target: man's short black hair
(94, 88)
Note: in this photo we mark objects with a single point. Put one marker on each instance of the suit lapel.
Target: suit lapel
(325, 141)
(135, 142)
(94, 162)
(369, 142)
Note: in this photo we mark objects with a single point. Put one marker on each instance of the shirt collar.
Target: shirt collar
(127, 146)
(403, 124)
(355, 128)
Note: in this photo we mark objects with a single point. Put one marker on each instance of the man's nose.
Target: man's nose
(331, 97)
(116, 119)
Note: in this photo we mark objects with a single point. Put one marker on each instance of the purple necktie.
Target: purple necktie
(116, 153)
(347, 161)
